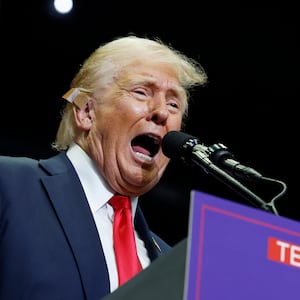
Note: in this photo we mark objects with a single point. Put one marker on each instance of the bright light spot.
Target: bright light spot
(63, 6)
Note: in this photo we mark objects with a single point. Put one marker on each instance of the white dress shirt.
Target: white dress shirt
(98, 194)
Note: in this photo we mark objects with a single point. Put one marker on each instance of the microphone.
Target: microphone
(221, 156)
(180, 145)
(185, 147)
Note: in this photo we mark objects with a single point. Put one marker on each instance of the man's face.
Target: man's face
(134, 113)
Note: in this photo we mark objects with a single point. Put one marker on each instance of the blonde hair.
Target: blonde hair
(110, 58)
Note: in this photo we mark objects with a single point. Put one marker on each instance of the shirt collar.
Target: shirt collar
(94, 186)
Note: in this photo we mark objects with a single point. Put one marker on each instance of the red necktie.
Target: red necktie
(127, 260)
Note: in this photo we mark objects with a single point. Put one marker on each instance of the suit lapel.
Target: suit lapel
(144, 232)
(77, 222)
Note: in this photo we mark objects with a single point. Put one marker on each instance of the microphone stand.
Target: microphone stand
(202, 160)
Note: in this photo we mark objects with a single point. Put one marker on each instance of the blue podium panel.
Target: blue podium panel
(238, 252)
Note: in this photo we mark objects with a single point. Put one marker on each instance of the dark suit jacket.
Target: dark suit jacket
(49, 245)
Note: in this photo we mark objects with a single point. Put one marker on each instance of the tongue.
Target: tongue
(141, 150)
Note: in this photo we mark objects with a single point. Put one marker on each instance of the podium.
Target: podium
(232, 252)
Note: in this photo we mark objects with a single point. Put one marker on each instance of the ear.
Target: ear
(83, 115)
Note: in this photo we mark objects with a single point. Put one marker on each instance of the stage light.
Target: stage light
(63, 6)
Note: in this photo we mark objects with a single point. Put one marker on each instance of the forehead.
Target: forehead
(151, 73)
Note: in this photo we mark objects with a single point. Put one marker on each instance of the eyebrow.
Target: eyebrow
(148, 80)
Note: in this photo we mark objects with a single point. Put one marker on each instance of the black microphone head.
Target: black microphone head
(176, 144)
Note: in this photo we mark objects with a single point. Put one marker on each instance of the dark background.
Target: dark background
(251, 56)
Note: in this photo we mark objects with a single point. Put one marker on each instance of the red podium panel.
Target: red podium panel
(238, 252)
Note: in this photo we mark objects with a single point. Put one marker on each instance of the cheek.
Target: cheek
(127, 105)
(163, 162)
(175, 123)
(130, 110)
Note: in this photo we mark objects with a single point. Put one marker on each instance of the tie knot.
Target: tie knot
(119, 202)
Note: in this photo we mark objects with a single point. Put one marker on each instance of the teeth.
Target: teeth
(141, 155)
(155, 139)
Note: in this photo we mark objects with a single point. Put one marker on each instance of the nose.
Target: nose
(158, 111)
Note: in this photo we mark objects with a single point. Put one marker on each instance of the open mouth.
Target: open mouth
(146, 145)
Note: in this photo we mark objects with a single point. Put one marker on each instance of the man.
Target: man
(56, 226)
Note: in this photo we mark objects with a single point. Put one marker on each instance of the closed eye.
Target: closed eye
(174, 104)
